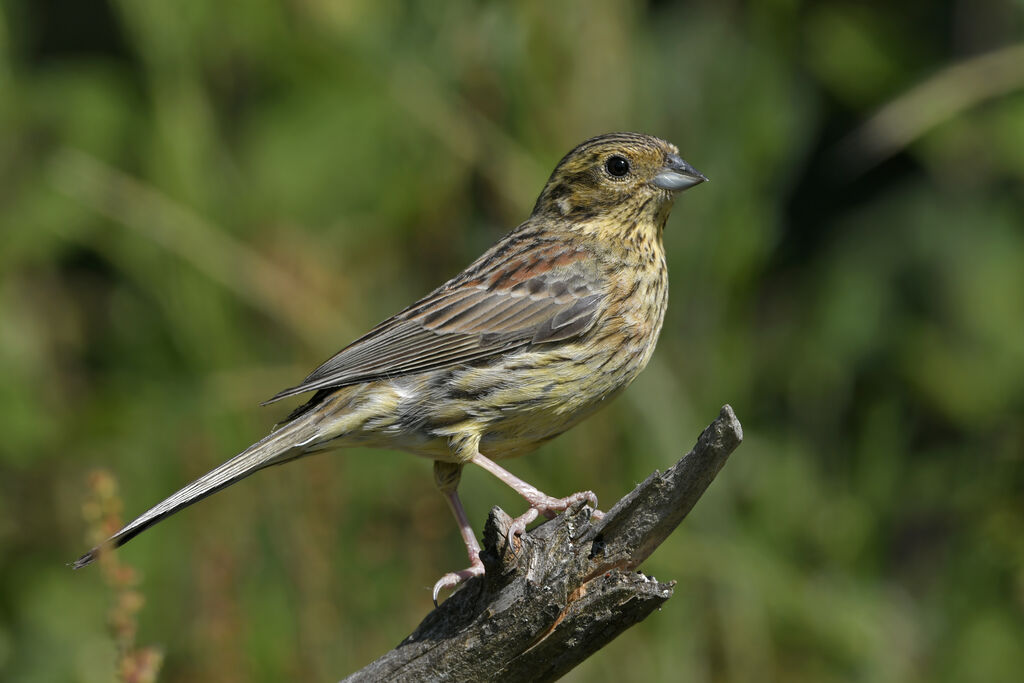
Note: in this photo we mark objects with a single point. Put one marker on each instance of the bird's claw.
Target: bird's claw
(519, 524)
(453, 579)
(550, 508)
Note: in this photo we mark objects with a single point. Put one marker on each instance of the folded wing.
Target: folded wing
(545, 294)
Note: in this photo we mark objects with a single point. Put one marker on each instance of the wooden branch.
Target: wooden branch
(560, 592)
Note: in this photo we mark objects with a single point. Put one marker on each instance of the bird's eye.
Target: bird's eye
(617, 166)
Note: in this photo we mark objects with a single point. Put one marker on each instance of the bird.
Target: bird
(546, 327)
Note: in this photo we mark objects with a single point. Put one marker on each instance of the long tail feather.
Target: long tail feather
(285, 443)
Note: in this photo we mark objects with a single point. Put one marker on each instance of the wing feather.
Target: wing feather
(543, 294)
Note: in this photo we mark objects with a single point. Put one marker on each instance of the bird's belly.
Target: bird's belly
(519, 401)
(513, 403)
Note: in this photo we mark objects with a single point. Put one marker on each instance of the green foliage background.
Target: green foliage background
(200, 201)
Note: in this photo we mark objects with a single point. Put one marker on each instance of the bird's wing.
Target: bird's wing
(545, 294)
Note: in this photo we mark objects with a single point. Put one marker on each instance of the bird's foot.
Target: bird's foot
(550, 507)
(540, 503)
(519, 524)
(453, 579)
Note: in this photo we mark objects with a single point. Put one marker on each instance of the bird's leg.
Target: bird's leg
(446, 476)
(540, 503)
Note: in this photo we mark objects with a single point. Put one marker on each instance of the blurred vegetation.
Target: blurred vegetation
(103, 513)
(201, 201)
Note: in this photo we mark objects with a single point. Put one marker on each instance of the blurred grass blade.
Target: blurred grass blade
(929, 104)
(250, 275)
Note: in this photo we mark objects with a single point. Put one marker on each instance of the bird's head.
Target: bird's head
(617, 175)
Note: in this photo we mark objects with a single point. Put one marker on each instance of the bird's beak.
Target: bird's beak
(677, 175)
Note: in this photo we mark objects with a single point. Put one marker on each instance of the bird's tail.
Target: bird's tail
(285, 443)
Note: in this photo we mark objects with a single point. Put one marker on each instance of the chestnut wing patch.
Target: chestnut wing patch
(542, 296)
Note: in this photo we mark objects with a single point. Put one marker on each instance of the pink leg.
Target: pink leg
(447, 476)
(540, 503)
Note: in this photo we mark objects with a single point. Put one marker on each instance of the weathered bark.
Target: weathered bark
(559, 593)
